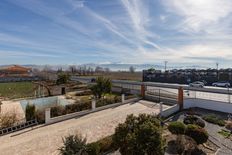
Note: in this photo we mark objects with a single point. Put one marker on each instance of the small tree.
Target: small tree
(30, 112)
(139, 135)
(102, 87)
(62, 78)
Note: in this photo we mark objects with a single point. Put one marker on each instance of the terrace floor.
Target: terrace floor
(43, 140)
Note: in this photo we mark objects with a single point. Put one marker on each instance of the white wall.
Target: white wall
(171, 110)
(49, 120)
(208, 104)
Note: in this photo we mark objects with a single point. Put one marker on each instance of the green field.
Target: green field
(15, 90)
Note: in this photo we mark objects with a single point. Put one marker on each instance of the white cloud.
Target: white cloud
(199, 14)
(163, 18)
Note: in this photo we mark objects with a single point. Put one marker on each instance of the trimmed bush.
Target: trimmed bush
(93, 149)
(181, 145)
(177, 128)
(200, 123)
(106, 144)
(229, 125)
(57, 111)
(117, 99)
(194, 120)
(199, 134)
(103, 102)
(30, 112)
(214, 119)
(71, 108)
(139, 135)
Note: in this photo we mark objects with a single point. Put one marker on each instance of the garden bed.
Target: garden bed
(215, 124)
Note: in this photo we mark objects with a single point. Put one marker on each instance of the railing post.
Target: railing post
(93, 104)
(161, 108)
(123, 98)
(180, 97)
(47, 115)
(228, 94)
(143, 90)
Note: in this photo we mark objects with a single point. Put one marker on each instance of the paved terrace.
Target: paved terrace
(46, 140)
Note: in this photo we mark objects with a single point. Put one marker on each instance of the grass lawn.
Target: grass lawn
(15, 90)
(137, 76)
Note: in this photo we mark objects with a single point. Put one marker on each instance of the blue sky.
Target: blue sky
(197, 32)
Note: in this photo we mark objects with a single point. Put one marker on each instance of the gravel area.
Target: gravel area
(44, 140)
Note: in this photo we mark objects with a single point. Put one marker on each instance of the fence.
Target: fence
(223, 97)
(161, 95)
(18, 126)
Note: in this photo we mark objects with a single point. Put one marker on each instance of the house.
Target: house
(15, 71)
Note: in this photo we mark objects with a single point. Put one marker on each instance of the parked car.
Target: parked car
(198, 84)
(221, 84)
(93, 80)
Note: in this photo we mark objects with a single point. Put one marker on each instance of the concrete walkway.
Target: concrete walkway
(45, 140)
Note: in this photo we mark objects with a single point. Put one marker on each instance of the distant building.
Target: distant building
(15, 71)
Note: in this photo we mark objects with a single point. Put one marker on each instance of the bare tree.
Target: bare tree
(99, 69)
(132, 69)
(72, 69)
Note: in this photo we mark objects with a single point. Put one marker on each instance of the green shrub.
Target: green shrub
(102, 86)
(176, 128)
(139, 135)
(74, 145)
(229, 125)
(76, 107)
(57, 111)
(214, 119)
(106, 144)
(40, 116)
(30, 112)
(199, 134)
(103, 102)
(62, 78)
(93, 149)
(194, 120)
(117, 99)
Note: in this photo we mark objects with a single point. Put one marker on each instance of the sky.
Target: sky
(197, 32)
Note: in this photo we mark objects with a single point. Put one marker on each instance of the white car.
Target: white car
(197, 84)
(221, 84)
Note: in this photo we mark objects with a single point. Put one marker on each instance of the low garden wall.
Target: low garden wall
(171, 110)
(42, 103)
(208, 104)
(49, 120)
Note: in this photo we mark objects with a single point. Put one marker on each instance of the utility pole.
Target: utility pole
(217, 64)
(165, 65)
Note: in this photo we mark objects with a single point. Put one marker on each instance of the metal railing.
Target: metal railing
(161, 95)
(17, 127)
(207, 93)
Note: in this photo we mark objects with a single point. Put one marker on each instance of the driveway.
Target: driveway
(45, 140)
